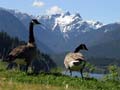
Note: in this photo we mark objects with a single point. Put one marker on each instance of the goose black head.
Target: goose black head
(35, 21)
(81, 47)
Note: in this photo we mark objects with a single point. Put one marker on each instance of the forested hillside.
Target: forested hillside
(7, 43)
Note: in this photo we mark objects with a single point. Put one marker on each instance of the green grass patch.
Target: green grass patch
(16, 80)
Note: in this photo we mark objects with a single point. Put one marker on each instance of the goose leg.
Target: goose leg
(66, 71)
(81, 72)
(9, 66)
(70, 73)
(26, 68)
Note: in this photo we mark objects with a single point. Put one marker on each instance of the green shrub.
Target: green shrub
(113, 74)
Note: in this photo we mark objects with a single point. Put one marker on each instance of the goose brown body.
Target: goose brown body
(72, 58)
(23, 52)
(75, 61)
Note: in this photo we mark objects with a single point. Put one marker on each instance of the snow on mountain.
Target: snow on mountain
(95, 24)
(67, 22)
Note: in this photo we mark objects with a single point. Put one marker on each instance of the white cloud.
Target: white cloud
(38, 3)
(54, 10)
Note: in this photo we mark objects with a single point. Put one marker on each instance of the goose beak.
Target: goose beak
(38, 23)
(86, 49)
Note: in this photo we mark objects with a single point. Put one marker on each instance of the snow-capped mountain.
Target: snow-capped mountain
(66, 31)
(63, 32)
(68, 22)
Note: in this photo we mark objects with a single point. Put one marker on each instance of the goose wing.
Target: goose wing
(77, 56)
(73, 57)
(19, 51)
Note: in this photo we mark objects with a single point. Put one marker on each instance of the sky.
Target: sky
(105, 11)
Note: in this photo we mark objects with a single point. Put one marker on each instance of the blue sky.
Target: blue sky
(106, 11)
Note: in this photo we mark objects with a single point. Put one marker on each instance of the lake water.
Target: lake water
(94, 75)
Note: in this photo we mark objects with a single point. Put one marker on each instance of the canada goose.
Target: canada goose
(24, 54)
(75, 61)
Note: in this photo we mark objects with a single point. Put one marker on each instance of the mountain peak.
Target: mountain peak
(66, 14)
(78, 15)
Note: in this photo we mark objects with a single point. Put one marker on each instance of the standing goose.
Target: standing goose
(24, 54)
(75, 61)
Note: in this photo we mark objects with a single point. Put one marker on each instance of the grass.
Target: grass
(16, 80)
(25, 86)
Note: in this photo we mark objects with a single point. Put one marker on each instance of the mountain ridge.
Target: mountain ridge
(63, 32)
